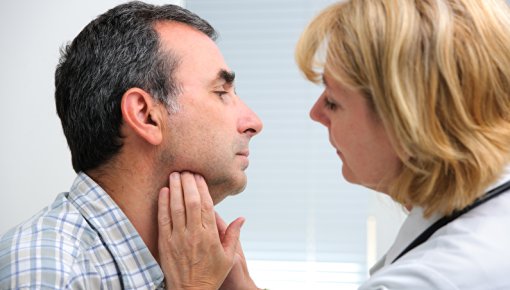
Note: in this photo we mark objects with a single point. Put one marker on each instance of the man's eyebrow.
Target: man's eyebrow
(227, 76)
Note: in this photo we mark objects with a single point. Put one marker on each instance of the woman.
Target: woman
(417, 105)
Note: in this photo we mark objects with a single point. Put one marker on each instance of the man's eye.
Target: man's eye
(329, 105)
(221, 94)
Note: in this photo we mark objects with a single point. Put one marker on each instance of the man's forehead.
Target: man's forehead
(175, 28)
(181, 38)
(199, 57)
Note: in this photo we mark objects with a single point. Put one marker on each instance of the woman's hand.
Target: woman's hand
(192, 254)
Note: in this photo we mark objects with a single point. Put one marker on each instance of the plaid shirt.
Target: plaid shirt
(81, 241)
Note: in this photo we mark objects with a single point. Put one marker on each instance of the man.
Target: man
(141, 92)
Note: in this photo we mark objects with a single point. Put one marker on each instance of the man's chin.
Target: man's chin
(218, 199)
(219, 193)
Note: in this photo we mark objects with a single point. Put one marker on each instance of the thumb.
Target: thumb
(231, 237)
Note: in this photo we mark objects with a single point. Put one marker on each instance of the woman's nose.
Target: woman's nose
(317, 113)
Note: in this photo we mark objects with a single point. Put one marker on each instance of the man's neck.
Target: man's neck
(136, 194)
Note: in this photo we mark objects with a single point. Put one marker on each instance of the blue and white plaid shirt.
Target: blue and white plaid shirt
(81, 241)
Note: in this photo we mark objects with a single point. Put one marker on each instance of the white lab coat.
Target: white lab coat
(471, 252)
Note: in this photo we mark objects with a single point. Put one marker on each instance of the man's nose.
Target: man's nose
(249, 122)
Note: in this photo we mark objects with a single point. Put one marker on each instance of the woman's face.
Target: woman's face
(358, 135)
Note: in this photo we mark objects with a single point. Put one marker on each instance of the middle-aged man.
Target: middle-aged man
(141, 92)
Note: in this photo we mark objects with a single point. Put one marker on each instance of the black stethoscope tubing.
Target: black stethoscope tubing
(447, 219)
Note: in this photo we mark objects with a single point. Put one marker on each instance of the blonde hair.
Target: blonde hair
(437, 73)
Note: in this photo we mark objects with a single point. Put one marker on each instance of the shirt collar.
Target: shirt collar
(136, 264)
(415, 224)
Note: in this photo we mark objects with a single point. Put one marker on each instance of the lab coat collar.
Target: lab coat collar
(412, 227)
(415, 224)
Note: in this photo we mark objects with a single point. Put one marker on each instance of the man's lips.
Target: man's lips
(244, 156)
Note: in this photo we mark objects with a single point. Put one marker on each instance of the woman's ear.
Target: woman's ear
(140, 112)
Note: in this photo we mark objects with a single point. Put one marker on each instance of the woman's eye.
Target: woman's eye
(329, 105)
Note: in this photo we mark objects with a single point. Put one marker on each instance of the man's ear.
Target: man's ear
(141, 113)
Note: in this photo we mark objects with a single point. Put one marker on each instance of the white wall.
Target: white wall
(34, 159)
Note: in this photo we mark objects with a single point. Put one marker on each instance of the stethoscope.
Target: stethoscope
(447, 219)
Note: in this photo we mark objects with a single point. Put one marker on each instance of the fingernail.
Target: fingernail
(242, 221)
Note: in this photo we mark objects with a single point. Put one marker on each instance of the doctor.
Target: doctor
(417, 106)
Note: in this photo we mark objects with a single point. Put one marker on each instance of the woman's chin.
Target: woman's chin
(348, 175)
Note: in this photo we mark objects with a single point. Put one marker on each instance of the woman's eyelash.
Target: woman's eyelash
(329, 105)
